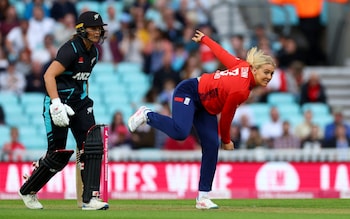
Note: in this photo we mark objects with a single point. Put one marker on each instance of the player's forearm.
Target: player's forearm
(50, 75)
(224, 57)
(51, 86)
(225, 126)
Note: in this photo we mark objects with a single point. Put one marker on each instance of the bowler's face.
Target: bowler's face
(263, 75)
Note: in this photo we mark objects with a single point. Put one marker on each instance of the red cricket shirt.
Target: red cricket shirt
(223, 91)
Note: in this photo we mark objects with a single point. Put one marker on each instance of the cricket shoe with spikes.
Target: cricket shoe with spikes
(138, 118)
(205, 203)
(31, 201)
(95, 204)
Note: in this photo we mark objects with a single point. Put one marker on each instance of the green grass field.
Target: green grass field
(154, 209)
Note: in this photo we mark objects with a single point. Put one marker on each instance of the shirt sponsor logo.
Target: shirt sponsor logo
(82, 76)
(214, 93)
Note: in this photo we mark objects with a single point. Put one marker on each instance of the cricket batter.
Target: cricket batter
(67, 105)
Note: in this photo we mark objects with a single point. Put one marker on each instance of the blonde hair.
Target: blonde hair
(256, 58)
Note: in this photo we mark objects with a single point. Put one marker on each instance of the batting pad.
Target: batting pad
(48, 167)
(92, 158)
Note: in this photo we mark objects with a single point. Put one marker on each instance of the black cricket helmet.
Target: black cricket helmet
(89, 19)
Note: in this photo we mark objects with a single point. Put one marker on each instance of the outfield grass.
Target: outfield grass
(161, 209)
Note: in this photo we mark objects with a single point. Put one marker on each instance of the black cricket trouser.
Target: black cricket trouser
(79, 123)
(57, 138)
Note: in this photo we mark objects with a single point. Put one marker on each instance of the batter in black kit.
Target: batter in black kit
(67, 105)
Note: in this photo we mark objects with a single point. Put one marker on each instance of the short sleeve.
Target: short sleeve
(66, 55)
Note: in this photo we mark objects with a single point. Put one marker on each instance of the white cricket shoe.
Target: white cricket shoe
(138, 118)
(95, 204)
(31, 201)
(205, 203)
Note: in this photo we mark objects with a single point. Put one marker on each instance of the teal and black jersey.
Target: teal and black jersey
(78, 62)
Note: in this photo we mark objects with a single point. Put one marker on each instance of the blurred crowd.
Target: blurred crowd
(156, 34)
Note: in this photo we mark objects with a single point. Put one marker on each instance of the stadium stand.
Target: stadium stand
(280, 15)
(260, 112)
(4, 131)
(320, 109)
(280, 98)
(88, 5)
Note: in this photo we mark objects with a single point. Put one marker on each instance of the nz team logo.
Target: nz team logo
(89, 110)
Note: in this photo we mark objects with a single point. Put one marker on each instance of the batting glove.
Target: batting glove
(60, 112)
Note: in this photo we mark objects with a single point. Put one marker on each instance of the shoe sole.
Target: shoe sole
(92, 209)
(203, 208)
